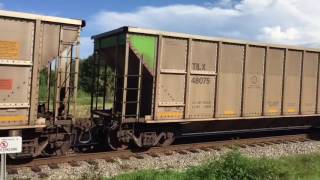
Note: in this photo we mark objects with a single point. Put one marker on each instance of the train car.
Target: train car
(39, 57)
(163, 84)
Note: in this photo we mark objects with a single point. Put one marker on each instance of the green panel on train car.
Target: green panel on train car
(145, 47)
(111, 41)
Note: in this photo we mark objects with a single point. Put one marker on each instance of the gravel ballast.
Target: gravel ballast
(175, 161)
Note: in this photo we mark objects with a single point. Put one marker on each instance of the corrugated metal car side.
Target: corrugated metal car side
(26, 47)
(201, 79)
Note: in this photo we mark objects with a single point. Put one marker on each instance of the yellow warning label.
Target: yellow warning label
(292, 110)
(9, 50)
(170, 114)
(13, 118)
(228, 113)
(272, 110)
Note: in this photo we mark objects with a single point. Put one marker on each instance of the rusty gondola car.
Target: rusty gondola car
(38, 52)
(170, 84)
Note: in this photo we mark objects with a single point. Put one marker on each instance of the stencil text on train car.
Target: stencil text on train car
(199, 79)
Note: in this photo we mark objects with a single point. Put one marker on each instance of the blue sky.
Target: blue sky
(294, 22)
(84, 9)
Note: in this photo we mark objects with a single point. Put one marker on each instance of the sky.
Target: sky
(294, 22)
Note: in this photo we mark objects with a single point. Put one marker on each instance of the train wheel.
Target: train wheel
(113, 141)
(168, 140)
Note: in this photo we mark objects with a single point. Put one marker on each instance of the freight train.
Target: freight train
(148, 87)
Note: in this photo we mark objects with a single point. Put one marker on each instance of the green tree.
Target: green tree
(85, 74)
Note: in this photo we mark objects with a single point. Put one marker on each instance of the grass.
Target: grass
(83, 98)
(84, 102)
(235, 166)
(301, 167)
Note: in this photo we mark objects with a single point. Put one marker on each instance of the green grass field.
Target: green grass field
(234, 166)
(84, 102)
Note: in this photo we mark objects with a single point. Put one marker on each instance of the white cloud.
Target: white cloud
(173, 18)
(86, 47)
(254, 5)
(277, 34)
(278, 21)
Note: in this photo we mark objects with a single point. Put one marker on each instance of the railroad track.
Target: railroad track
(111, 156)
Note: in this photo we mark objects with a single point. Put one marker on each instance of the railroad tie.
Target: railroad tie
(242, 145)
(74, 163)
(205, 149)
(251, 145)
(215, 148)
(36, 169)
(194, 150)
(153, 154)
(268, 143)
(124, 157)
(305, 139)
(109, 159)
(53, 166)
(138, 156)
(285, 141)
(92, 162)
(292, 141)
(230, 146)
(301, 139)
(168, 153)
(43, 175)
(181, 152)
(261, 144)
(12, 171)
(276, 142)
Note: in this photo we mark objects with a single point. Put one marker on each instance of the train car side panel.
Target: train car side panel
(273, 82)
(253, 83)
(318, 86)
(202, 79)
(171, 93)
(309, 83)
(16, 45)
(291, 91)
(229, 85)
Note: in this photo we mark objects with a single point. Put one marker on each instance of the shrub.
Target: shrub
(232, 166)
(236, 167)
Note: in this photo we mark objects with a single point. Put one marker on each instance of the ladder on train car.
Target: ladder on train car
(117, 101)
(66, 80)
(125, 89)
